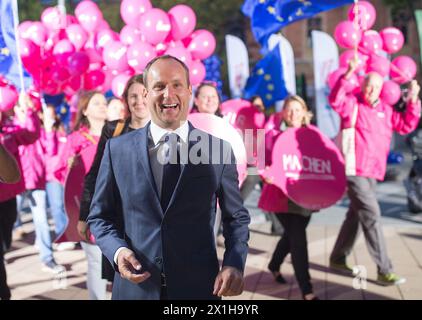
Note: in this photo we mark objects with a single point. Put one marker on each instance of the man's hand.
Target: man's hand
(129, 267)
(229, 282)
(414, 89)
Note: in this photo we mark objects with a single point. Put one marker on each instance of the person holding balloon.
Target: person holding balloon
(367, 123)
(292, 217)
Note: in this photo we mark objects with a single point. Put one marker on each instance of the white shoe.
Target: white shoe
(64, 246)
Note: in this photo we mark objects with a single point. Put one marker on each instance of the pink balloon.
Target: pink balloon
(180, 53)
(390, 92)
(77, 35)
(202, 44)
(393, 39)
(118, 84)
(378, 64)
(130, 35)
(84, 6)
(53, 19)
(63, 50)
(93, 79)
(23, 28)
(103, 25)
(60, 74)
(72, 86)
(139, 54)
(103, 37)
(348, 55)
(183, 21)
(108, 78)
(161, 47)
(30, 55)
(34, 31)
(114, 56)
(334, 76)
(366, 14)
(78, 63)
(8, 98)
(155, 25)
(371, 42)
(90, 18)
(403, 69)
(132, 10)
(196, 72)
(346, 35)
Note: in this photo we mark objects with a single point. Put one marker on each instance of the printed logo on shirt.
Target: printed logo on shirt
(381, 115)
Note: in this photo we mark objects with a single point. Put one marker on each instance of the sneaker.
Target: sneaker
(52, 267)
(390, 279)
(341, 267)
(64, 246)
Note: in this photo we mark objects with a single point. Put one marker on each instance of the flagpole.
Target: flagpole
(18, 51)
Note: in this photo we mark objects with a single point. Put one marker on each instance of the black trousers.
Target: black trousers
(8, 215)
(294, 241)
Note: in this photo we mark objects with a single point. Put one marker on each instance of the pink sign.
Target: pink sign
(308, 168)
(73, 191)
(242, 115)
(220, 128)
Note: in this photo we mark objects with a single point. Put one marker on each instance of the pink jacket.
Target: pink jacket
(34, 160)
(12, 136)
(76, 142)
(55, 145)
(374, 128)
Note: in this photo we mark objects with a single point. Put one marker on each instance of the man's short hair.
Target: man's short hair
(164, 57)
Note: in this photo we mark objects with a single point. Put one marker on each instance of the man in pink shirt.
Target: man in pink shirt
(374, 122)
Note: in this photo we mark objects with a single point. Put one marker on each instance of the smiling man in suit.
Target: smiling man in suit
(156, 194)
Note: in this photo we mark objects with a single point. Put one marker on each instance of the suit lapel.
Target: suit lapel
(141, 147)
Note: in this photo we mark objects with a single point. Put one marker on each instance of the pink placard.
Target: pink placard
(73, 187)
(220, 128)
(242, 115)
(308, 168)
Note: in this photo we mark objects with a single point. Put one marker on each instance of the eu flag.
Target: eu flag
(267, 79)
(269, 16)
(9, 60)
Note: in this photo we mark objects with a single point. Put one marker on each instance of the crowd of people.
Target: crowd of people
(149, 226)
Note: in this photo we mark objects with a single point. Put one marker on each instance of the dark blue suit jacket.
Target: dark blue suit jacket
(126, 212)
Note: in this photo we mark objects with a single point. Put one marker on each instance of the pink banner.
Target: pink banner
(73, 191)
(308, 168)
(220, 128)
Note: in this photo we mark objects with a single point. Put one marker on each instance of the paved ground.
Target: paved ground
(403, 232)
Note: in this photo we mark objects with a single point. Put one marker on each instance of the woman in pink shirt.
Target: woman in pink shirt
(91, 117)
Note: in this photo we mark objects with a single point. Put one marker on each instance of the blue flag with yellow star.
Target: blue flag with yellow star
(267, 79)
(9, 65)
(269, 16)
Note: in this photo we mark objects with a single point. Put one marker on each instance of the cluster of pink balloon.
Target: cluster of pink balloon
(69, 53)
(374, 49)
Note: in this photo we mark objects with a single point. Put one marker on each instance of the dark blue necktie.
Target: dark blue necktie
(171, 169)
